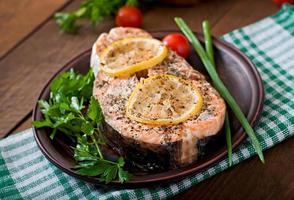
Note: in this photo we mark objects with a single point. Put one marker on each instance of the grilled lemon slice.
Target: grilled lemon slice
(130, 55)
(164, 100)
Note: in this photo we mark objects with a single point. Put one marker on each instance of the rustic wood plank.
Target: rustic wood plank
(162, 17)
(244, 13)
(19, 18)
(23, 125)
(41, 55)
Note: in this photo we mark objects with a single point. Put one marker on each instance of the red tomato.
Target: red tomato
(280, 2)
(129, 16)
(177, 42)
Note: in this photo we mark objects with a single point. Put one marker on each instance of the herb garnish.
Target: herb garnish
(210, 54)
(219, 85)
(73, 111)
(94, 10)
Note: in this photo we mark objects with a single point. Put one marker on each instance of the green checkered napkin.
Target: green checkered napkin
(26, 173)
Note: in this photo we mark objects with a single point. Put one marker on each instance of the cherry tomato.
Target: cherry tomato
(280, 2)
(177, 42)
(129, 16)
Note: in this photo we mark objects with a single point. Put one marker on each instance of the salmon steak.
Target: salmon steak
(153, 146)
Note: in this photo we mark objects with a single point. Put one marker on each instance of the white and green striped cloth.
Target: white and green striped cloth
(26, 174)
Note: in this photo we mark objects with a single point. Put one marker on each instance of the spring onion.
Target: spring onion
(208, 41)
(219, 85)
(209, 51)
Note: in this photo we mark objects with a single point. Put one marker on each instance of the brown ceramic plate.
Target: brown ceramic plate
(238, 74)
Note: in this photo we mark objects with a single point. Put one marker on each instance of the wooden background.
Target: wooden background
(32, 50)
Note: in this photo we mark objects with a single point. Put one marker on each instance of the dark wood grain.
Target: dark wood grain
(248, 180)
(243, 13)
(23, 125)
(19, 18)
(46, 51)
(162, 17)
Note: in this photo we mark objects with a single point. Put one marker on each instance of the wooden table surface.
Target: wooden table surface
(32, 50)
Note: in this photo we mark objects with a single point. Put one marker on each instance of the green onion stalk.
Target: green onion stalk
(219, 85)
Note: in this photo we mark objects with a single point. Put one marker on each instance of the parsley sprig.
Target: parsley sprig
(94, 10)
(72, 110)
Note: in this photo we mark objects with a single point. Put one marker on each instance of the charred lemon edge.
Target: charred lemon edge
(187, 115)
(136, 67)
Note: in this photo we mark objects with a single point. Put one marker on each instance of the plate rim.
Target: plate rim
(182, 173)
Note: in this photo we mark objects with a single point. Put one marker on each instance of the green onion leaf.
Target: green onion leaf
(228, 138)
(209, 51)
(220, 86)
(208, 41)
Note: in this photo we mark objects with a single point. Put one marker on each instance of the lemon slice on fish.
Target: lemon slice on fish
(164, 100)
(130, 55)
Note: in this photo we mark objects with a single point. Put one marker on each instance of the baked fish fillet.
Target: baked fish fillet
(170, 146)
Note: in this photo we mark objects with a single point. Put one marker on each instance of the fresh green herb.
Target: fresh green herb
(73, 111)
(94, 10)
(208, 41)
(228, 138)
(210, 54)
(220, 85)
